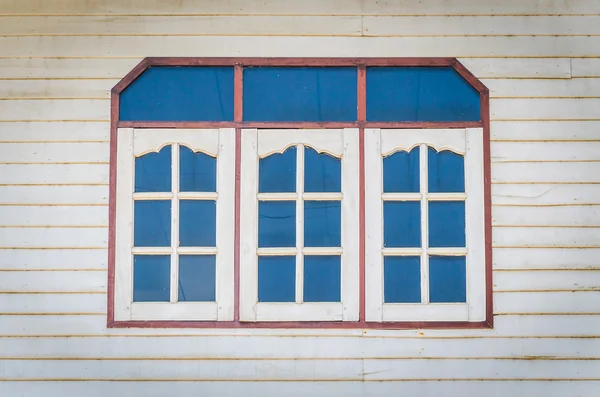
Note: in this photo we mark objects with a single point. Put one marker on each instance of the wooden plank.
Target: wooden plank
(479, 25)
(545, 151)
(53, 174)
(193, 25)
(559, 68)
(546, 237)
(55, 109)
(546, 172)
(54, 195)
(265, 347)
(515, 88)
(57, 89)
(48, 132)
(54, 152)
(545, 195)
(53, 303)
(56, 282)
(301, 389)
(54, 216)
(546, 258)
(308, 7)
(547, 302)
(547, 280)
(585, 67)
(553, 109)
(545, 130)
(53, 237)
(278, 46)
(547, 216)
(66, 68)
(53, 259)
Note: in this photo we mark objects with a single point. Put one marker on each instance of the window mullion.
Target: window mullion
(174, 223)
(424, 185)
(300, 224)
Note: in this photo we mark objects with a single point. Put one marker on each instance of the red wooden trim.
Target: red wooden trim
(177, 124)
(470, 77)
(131, 76)
(298, 124)
(424, 124)
(301, 325)
(238, 92)
(112, 206)
(193, 61)
(487, 198)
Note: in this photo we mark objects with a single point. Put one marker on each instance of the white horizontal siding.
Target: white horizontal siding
(546, 258)
(54, 132)
(51, 195)
(24, 259)
(54, 216)
(573, 216)
(560, 130)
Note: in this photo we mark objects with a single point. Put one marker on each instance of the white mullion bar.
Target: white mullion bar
(300, 224)
(447, 251)
(424, 182)
(446, 196)
(197, 195)
(402, 251)
(153, 196)
(277, 196)
(151, 251)
(284, 251)
(323, 196)
(401, 196)
(322, 251)
(197, 250)
(174, 222)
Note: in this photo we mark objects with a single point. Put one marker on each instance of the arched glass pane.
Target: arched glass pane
(401, 224)
(152, 223)
(447, 224)
(322, 278)
(401, 172)
(197, 223)
(447, 279)
(151, 278)
(322, 172)
(276, 278)
(197, 278)
(402, 279)
(446, 172)
(197, 171)
(153, 171)
(277, 172)
(277, 224)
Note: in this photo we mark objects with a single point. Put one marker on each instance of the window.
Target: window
(339, 193)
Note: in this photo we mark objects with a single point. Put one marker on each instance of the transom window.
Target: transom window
(347, 193)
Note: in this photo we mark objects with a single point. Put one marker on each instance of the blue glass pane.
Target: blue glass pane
(152, 223)
(447, 279)
(402, 279)
(401, 172)
(175, 93)
(277, 224)
(420, 94)
(322, 279)
(197, 171)
(151, 278)
(197, 223)
(447, 224)
(401, 224)
(153, 171)
(197, 278)
(276, 278)
(322, 223)
(277, 172)
(322, 172)
(446, 172)
(300, 94)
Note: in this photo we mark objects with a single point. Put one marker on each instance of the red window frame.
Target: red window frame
(361, 124)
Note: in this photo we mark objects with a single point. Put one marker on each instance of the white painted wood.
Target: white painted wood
(447, 196)
(547, 302)
(304, 311)
(545, 237)
(55, 110)
(273, 46)
(547, 216)
(277, 141)
(425, 312)
(141, 196)
(547, 280)
(49, 195)
(176, 311)
(323, 250)
(198, 195)
(54, 216)
(299, 287)
(424, 264)
(11, 237)
(545, 151)
(402, 251)
(448, 251)
(545, 194)
(393, 140)
(585, 67)
(545, 130)
(277, 196)
(150, 251)
(66, 68)
(546, 172)
(174, 276)
(152, 140)
(517, 67)
(53, 303)
(401, 196)
(249, 226)
(57, 282)
(24, 259)
(543, 87)
(53, 132)
(544, 109)
(546, 258)
(277, 251)
(53, 174)
(325, 196)
(49, 89)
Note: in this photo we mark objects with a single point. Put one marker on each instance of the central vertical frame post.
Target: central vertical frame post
(362, 119)
(238, 103)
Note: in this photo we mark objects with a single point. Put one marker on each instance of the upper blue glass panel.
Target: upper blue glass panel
(197, 171)
(153, 171)
(176, 93)
(300, 94)
(420, 94)
(323, 172)
(401, 172)
(446, 172)
(277, 172)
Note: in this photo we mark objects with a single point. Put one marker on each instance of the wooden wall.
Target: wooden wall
(58, 61)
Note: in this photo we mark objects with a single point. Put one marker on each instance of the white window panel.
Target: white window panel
(466, 142)
(133, 143)
(339, 143)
